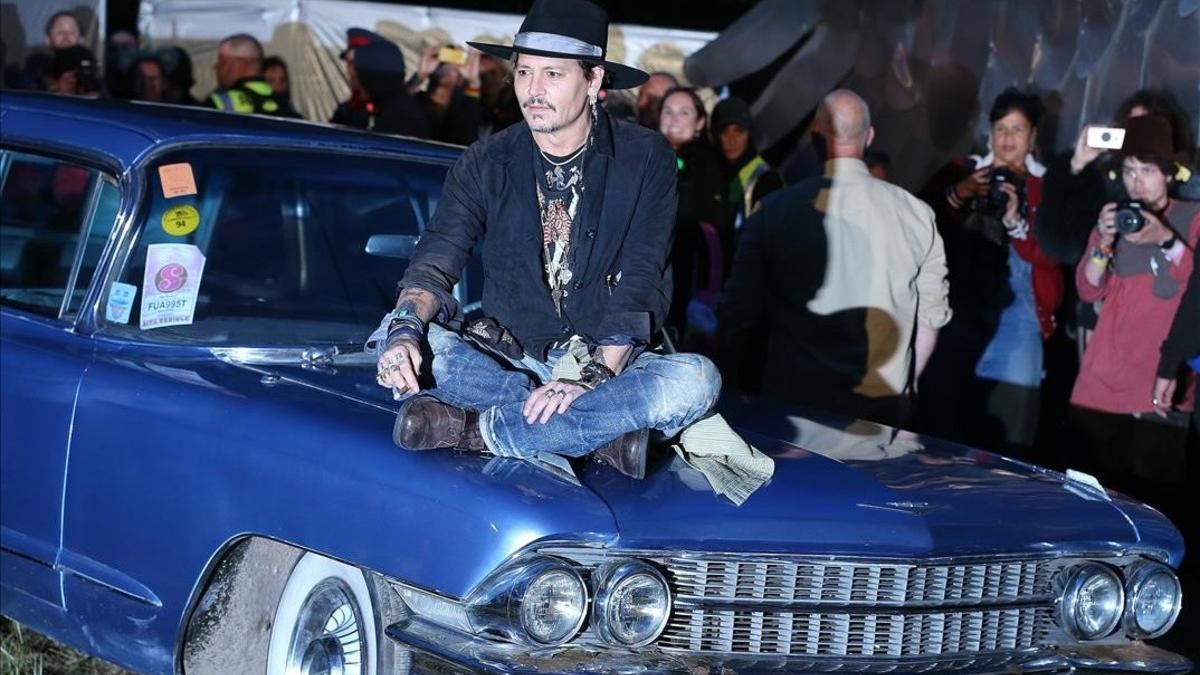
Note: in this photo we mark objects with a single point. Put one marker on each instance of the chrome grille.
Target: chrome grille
(908, 585)
(801, 607)
(853, 634)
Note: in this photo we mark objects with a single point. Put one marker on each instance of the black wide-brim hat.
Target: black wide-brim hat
(567, 29)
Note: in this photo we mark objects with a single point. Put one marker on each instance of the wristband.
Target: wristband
(595, 374)
(404, 324)
(1168, 244)
(1101, 256)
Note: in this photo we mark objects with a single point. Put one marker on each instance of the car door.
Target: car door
(55, 218)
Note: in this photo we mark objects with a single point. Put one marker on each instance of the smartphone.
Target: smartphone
(452, 55)
(1106, 138)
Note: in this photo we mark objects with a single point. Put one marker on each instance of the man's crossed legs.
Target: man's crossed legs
(666, 392)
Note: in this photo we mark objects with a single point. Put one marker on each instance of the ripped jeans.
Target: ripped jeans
(666, 392)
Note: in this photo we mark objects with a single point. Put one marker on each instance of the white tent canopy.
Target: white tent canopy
(309, 34)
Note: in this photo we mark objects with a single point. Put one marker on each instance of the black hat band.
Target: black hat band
(551, 42)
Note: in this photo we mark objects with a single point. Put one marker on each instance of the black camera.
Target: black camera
(1129, 218)
(996, 201)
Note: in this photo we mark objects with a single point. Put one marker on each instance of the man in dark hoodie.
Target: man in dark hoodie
(389, 107)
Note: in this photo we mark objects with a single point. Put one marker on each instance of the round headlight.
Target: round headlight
(553, 606)
(632, 604)
(1092, 602)
(1154, 600)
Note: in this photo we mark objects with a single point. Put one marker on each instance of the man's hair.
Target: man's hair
(58, 15)
(1028, 104)
(275, 62)
(846, 129)
(583, 63)
(245, 46)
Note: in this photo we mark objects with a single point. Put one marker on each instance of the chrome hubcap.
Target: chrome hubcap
(328, 638)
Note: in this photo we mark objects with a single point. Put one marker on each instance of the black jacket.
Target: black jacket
(620, 237)
(392, 109)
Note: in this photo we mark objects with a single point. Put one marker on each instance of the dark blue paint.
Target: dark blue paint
(174, 454)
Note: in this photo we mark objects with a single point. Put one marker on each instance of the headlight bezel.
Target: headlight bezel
(1136, 577)
(1075, 579)
(608, 580)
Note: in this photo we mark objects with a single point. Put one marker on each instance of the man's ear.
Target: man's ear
(870, 136)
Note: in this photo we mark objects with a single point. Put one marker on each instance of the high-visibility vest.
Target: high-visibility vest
(252, 96)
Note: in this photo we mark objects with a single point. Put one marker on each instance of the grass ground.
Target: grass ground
(24, 652)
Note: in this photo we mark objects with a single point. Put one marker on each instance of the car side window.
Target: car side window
(55, 218)
(268, 247)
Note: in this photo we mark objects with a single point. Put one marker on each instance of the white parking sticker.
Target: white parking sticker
(120, 302)
(170, 285)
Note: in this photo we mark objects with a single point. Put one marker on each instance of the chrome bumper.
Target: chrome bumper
(437, 649)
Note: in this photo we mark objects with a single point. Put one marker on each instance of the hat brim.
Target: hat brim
(620, 76)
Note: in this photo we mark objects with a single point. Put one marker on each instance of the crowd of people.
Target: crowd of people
(841, 290)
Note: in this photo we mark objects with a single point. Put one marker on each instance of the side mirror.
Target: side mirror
(392, 245)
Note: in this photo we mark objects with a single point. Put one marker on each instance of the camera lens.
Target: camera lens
(1106, 137)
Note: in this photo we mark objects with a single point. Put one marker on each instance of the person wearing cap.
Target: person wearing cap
(353, 111)
(1139, 271)
(240, 84)
(389, 107)
(574, 213)
(750, 177)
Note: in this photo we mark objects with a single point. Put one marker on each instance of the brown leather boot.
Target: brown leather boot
(425, 423)
(626, 453)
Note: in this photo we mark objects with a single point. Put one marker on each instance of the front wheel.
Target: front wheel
(327, 622)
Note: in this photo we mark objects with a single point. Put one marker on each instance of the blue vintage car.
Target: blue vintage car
(197, 473)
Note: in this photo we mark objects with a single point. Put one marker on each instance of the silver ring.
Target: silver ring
(1154, 402)
(557, 392)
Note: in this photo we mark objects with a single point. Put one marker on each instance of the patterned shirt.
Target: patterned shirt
(559, 193)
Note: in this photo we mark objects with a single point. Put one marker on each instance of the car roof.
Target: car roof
(125, 131)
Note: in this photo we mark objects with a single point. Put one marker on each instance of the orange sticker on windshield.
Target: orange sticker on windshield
(177, 180)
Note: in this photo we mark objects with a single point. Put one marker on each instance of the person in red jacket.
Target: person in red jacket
(1004, 289)
(1138, 260)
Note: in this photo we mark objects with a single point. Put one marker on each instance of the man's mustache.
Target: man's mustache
(539, 101)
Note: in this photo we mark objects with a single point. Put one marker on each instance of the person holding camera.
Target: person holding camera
(451, 97)
(1139, 257)
(1004, 290)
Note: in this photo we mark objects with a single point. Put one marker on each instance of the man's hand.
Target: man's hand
(550, 399)
(1164, 393)
(399, 366)
(1084, 153)
(1154, 232)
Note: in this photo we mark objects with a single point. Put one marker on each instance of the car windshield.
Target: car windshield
(268, 247)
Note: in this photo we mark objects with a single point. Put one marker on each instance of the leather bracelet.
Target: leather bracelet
(401, 333)
(595, 374)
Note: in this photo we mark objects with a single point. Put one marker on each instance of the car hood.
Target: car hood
(857, 488)
(849, 487)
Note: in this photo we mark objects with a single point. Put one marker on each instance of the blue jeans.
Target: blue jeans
(666, 392)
